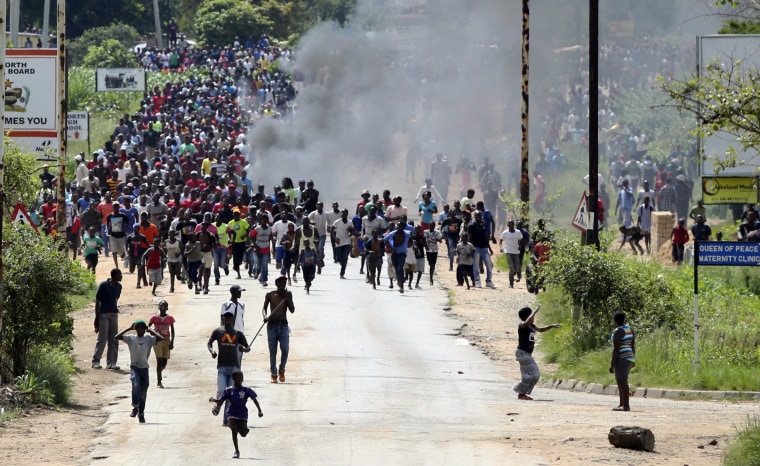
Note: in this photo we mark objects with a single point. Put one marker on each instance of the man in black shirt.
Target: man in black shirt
(229, 342)
(479, 236)
(526, 336)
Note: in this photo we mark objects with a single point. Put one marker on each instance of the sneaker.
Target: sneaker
(96, 365)
(171, 290)
(133, 413)
(113, 367)
(274, 378)
(205, 291)
(236, 454)
(216, 282)
(197, 290)
(491, 285)
(524, 397)
(511, 285)
(282, 376)
(141, 418)
(138, 286)
(519, 277)
(226, 271)
(189, 285)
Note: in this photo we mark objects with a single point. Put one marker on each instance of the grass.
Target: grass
(745, 450)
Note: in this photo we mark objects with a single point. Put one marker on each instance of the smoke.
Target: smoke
(422, 76)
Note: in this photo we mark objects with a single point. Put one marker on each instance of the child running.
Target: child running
(308, 264)
(237, 412)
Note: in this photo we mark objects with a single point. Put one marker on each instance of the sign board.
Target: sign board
(21, 217)
(31, 93)
(727, 253)
(120, 79)
(729, 190)
(77, 126)
(624, 28)
(580, 220)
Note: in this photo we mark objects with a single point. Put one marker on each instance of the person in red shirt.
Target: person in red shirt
(679, 237)
(154, 259)
(195, 182)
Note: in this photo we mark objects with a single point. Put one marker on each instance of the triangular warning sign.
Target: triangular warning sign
(580, 220)
(20, 216)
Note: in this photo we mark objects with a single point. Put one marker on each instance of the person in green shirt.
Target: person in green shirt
(92, 244)
(698, 210)
(237, 229)
(220, 251)
(188, 148)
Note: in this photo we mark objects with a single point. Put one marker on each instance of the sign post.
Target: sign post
(580, 219)
(717, 253)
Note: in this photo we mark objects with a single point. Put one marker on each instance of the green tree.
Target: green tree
(220, 21)
(110, 54)
(79, 47)
(38, 278)
(20, 182)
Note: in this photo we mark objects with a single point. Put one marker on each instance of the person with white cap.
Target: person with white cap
(81, 171)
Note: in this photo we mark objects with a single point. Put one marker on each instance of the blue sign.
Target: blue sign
(728, 253)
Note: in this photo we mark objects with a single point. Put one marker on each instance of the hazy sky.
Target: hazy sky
(445, 80)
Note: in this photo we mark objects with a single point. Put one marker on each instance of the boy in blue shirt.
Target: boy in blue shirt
(237, 413)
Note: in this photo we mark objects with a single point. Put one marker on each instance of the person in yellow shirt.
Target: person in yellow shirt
(238, 235)
(207, 163)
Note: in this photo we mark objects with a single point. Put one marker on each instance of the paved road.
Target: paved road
(374, 377)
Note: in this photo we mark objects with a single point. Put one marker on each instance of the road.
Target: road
(376, 377)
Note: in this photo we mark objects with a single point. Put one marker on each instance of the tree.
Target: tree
(38, 278)
(220, 21)
(110, 54)
(20, 183)
(79, 47)
(723, 99)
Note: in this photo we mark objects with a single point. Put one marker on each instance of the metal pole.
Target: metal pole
(592, 234)
(157, 18)
(524, 179)
(696, 304)
(15, 6)
(60, 215)
(45, 23)
(2, 165)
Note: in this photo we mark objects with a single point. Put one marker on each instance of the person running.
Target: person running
(526, 340)
(220, 251)
(341, 231)
(194, 258)
(432, 238)
(465, 253)
(307, 262)
(139, 351)
(155, 259)
(261, 237)
(375, 248)
(279, 301)
(208, 237)
(238, 235)
(237, 413)
(398, 241)
(107, 320)
(229, 342)
(173, 258)
(163, 324)
(91, 247)
(511, 238)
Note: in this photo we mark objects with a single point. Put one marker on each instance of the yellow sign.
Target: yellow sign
(729, 190)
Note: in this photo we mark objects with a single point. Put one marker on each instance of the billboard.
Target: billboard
(120, 79)
(77, 126)
(729, 190)
(31, 94)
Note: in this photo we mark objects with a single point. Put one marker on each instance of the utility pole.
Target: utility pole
(46, 24)
(524, 162)
(60, 214)
(157, 18)
(592, 234)
(2, 164)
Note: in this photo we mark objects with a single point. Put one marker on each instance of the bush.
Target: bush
(79, 47)
(54, 364)
(603, 283)
(745, 450)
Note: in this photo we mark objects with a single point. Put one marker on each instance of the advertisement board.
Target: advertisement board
(120, 79)
(729, 190)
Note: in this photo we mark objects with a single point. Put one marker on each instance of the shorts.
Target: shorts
(118, 245)
(175, 268)
(410, 267)
(91, 259)
(421, 264)
(73, 240)
(155, 276)
(207, 259)
(238, 425)
(162, 349)
(432, 258)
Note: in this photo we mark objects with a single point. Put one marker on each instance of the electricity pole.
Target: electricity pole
(60, 214)
(592, 234)
(524, 179)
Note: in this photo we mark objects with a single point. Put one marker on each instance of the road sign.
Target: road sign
(580, 220)
(727, 253)
(77, 126)
(20, 216)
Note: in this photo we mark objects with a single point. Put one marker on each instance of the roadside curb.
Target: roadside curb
(642, 392)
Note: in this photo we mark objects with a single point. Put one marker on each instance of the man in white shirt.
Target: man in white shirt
(279, 229)
(318, 219)
(81, 171)
(341, 231)
(510, 238)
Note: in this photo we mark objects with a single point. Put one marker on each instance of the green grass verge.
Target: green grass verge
(745, 450)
